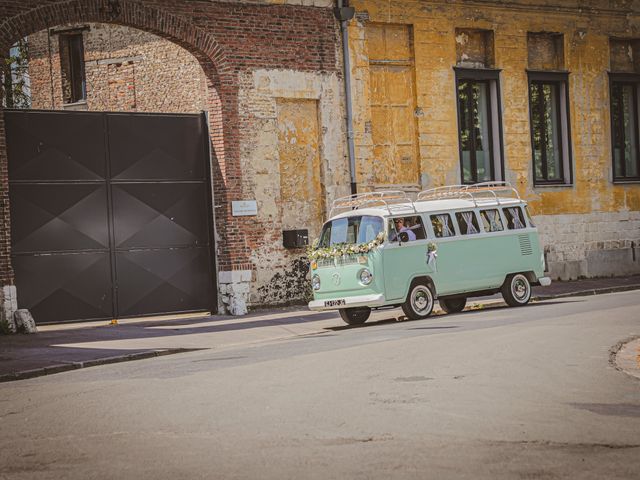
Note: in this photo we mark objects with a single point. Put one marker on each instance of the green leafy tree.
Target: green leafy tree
(15, 77)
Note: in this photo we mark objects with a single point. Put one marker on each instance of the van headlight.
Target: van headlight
(366, 277)
(315, 282)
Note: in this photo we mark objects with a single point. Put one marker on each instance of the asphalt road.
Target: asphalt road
(500, 393)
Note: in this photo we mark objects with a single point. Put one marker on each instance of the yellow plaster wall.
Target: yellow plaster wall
(586, 52)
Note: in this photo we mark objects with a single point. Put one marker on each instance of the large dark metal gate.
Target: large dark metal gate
(110, 214)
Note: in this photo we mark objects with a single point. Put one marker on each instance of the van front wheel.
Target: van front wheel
(452, 305)
(355, 316)
(516, 290)
(419, 302)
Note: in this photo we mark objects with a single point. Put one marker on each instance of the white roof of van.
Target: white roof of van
(453, 197)
(428, 206)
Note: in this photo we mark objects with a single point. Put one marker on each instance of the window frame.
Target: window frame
(392, 229)
(561, 80)
(75, 38)
(634, 80)
(452, 223)
(521, 217)
(491, 77)
(459, 225)
(500, 217)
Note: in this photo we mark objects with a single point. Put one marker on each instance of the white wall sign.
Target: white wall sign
(244, 208)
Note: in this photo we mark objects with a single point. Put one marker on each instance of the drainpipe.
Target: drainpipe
(344, 13)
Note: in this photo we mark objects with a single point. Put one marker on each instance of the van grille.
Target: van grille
(525, 245)
(338, 261)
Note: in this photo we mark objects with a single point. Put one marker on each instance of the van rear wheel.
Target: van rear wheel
(452, 305)
(516, 290)
(355, 316)
(419, 303)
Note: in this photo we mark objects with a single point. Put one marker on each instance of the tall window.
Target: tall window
(479, 125)
(624, 126)
(72, 67)
(548, 107)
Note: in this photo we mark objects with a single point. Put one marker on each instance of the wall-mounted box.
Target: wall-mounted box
(295, 238)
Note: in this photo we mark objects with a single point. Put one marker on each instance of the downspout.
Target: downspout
(344, 13)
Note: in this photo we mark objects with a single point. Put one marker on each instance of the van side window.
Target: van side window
(514, 217)
(442, 225)
(468, 223)
(411, 225)
(529, 218)
(491, 220)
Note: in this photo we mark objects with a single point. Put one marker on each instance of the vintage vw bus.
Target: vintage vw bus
(383, 250)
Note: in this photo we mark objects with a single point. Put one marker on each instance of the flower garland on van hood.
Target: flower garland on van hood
(342, 249)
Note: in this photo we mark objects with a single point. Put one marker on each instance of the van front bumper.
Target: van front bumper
(348, 302)
(545, 281)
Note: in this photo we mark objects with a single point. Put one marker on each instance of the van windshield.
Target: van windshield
(359, 229)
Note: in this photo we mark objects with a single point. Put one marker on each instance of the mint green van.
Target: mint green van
(384, 250)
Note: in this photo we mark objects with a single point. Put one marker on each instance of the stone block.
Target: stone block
(237, 305)
(234, 276)
(8, 306)
(604, 263)
(238, 288)
(24, 321)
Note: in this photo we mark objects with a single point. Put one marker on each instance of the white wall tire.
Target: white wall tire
(516, 290)
(419, 303)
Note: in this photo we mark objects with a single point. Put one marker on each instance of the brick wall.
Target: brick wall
(229, 40)
(6, 272)
(126, 69)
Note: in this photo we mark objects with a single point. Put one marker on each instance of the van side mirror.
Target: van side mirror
(404, 237)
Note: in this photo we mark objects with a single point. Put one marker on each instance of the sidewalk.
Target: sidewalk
(63, 347)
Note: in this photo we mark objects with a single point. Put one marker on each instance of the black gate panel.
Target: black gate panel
(110, 214)
(159, 215)
(50, 146)
(156, 281)
(63, 287)
(156, 147)
(59, 217)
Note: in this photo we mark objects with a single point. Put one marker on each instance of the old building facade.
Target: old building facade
(540, 94)
(273, 95)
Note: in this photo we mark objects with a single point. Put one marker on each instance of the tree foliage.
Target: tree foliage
(15, 77)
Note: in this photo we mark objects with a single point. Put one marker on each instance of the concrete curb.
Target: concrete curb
(67, 366)
(589, 291)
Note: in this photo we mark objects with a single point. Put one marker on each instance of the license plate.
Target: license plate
(335, 303)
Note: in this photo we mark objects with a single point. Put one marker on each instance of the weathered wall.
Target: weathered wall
(126, 70)
(252, 53)
(586, 29)
(588, 244)
(284, 191)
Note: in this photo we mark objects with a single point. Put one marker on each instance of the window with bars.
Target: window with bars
(549, 115)
(624, 126)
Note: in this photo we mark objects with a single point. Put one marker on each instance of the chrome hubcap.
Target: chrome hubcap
(421, 299)
(520, 288)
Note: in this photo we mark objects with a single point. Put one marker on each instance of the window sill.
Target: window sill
(553, 185)
(627, 182)
(81, 105)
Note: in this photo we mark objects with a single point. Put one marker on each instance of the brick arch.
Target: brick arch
(222, 98)
(123, 12)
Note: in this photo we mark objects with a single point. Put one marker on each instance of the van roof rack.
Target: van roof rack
(478, 192)
(392, 200)
(397, 201)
